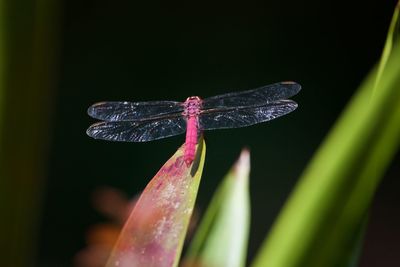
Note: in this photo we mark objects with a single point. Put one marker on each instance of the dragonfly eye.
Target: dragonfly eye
(193, 98)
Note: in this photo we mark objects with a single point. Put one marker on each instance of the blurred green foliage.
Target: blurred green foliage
(28, 32)
(321, 220)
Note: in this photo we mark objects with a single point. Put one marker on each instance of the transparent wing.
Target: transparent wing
(130, 131)
(256, 97)
(241, 117)
(133, 111)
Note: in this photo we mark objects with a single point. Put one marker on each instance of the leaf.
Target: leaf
(390, 39)
(29, 53)
(154, 232)
(353, 255)
(222, 237)
(319, 221)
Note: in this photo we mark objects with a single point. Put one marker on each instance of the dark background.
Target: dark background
(134, 51)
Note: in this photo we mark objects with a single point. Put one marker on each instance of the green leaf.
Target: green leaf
(352, 257)
(319, 221)
(28, 70)
(390, 39)
(221, 239)
(154, 233)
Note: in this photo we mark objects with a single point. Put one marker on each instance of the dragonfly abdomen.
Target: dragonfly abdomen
(192, 107)
(191, 139)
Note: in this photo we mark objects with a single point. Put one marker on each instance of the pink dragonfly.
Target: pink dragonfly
(147, 121)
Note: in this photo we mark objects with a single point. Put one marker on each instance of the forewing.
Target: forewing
(133, 111)
(256, 97)
(128, 131)
(241, 117)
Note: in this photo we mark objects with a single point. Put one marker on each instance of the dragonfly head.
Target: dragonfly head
(193, 99)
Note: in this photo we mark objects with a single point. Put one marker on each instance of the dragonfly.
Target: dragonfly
(152, 120)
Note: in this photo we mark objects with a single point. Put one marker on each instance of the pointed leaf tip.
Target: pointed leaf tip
(221, 238)
(154, 233)
(242, 166)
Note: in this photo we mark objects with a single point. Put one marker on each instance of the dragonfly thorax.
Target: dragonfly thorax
(192, 106)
